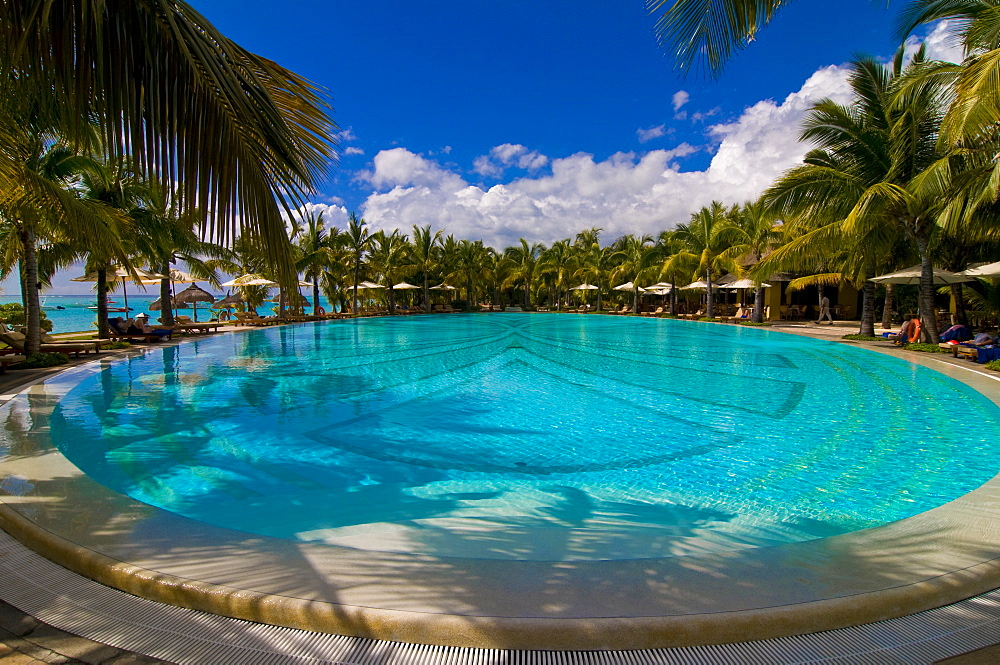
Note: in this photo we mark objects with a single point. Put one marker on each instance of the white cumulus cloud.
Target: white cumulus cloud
(646, 135)
(680, 98)
(625, 193)
(509, 154)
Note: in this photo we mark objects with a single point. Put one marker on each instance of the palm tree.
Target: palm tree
(358, 242)
(316, 248)
(755, 235)
(471, 257)
(425, 257)
(235, 132)
(707, 237)
(634, 260)
(38, 172)
(590, 259)
(876, 174)
(558, 261)
(524, 258)
(389, 254)
(165, 233)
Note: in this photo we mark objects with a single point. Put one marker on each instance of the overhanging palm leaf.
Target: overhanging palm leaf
(708, 32)
(242, 136)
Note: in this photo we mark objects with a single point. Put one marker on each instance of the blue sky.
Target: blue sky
(539, 118)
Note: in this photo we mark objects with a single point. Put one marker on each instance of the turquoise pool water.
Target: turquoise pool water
(531, 437)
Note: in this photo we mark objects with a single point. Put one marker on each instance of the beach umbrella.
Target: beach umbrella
(249, 279)
(443, 287)
(700, 284)
(912, 276)
(115, 275)
(229, 301)
(370, 285)
(402, 286)
(156, 305)
(628, 286)
(193, 295)
(584, 287)
(744, 284)
(988, 270)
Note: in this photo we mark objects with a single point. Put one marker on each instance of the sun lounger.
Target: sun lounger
(16, 341)
(49, 339)
(10, 359)
(245, 319)
(122, 330)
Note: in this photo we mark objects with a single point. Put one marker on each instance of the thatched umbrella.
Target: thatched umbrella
(194, 294)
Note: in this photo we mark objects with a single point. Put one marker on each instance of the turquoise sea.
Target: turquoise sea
(75, 315)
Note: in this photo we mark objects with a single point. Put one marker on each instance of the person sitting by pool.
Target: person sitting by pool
(909, 332)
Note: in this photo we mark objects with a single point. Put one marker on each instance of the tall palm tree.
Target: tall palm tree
(558, 260)
(389, 254)
(234, 132)
(708, 236)
(164, 234)
(358, 242)
(425, 257)
(38, 199)
(876, 173)
(316, 246)
(524, 257)
(590, 259)
(471, 257)
(634, 258)
(755, 235)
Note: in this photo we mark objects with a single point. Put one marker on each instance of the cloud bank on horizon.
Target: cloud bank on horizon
(544, 198)
(628, 192)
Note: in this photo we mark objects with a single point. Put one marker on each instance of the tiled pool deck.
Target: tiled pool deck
(931, 559)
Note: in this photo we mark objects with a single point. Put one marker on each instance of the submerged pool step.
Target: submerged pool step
(81, 606)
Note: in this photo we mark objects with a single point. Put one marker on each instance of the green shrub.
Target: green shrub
(709, 319)
(37, 360)
(120, 344)
(993, 365)
(744, 322)
(925, 348)
(864, 338)
(13, 315)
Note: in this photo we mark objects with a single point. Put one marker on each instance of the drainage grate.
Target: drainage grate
(81, 606)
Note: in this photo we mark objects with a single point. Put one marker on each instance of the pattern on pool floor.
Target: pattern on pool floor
(520, 436)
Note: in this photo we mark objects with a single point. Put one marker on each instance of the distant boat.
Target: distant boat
(50, 307)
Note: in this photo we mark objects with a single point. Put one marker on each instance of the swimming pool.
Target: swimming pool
(516, 481)
(526, 437)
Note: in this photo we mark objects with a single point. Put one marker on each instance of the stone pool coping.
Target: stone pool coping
(931, 559)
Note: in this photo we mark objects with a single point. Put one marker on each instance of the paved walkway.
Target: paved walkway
(24, 639)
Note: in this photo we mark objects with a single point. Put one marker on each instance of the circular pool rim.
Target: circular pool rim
(931, 559)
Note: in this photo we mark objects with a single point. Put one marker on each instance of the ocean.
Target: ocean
(75, 315)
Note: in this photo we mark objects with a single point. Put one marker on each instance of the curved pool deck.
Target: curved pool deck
(925, 561)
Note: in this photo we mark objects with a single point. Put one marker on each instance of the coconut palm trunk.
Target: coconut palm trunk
(315, 296)
(888, 305)
(928, 317)
(427, 294)
(166, 297)
(758, 305)
(868, 308)
(391, 298)
(103, 329)
(635, 298)
(709, 296)
(958, 294)
(32, 319)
